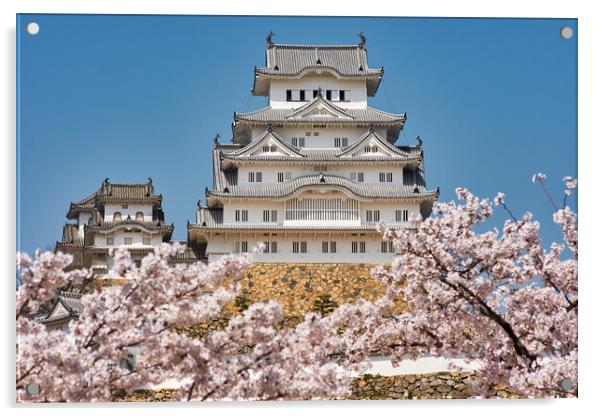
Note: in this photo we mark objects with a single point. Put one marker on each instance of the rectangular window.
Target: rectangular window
(258, 176)
(329, 95)
(295, 246)
(372, 215)
(367, 149)
(274, 247)
(241, 215)
(333, 246)
(266, 149)
(381, 177)
(316, 133)
(315, 93)
(274, 216)
(368, 216)
(374, 149)
(405, 215)
(360, 176)
(321, 168)
(362, 246)
(245, 215)
(389, 177)
(294, 141)
(337, 142)
(237, 215)
(266, 246)
(303, 246)
(324, 246)
(110, 241)
(146, 241)
(289, 95)
(251, 176)
(344, 142)
(308, 133)
(287, 176)
(376, 215)
(127, 241)
(353, 176)
(124, 206)
(301, 141)
(244, 246)
(387, 247)
(266, 215)
(302, 95)
(295, 95)
(280, 176)
(342, 95)
(398, 215)
(354, 246)
(237, 246)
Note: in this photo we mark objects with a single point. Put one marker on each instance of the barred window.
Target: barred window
(303, 246)
(337, 142)
(324, 246)
(266, 246)
(301, 141)
(127, 241)
(274, 247)
(146, 241)
(387, 247)
(241, 215)
(362, 246)
(280, 176)
(266, 215)
(251, 176)
(274, 216)
(381, 177)
(294, 141)
(110, 241)
(244, 246)
(295, 246)
(333, 246)
(344, 142)
(258, 176)
(360, 176)
(405, 215)
(354, 246)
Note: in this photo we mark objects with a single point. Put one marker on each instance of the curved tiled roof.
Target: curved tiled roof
(153, 226)
(361, 190)
(364, 116)
(346, 60)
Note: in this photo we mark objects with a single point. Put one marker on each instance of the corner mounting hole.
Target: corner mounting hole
(566, 32)
(33, 28)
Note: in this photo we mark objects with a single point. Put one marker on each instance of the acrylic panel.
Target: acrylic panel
(253, 208)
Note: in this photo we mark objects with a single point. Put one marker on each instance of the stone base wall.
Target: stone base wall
(297, 286)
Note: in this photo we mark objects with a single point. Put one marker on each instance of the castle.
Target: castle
(309, 176)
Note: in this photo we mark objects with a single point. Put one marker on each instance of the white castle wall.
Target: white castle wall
(358, 95)
(325, 137)
(131, 210)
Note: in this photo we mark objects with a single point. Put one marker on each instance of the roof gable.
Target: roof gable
(270, 139)
(371, 144)
(319, 108)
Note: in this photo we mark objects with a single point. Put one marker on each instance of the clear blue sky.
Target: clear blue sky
(127, 97)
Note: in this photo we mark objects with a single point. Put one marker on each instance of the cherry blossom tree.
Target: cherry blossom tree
(250, 359)
(495, 297)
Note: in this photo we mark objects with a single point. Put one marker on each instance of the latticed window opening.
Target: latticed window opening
(322, 209)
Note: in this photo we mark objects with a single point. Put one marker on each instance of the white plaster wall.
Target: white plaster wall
(270, 172)
(224, 244)
(358, 97)
(81, 221)
(100, 240)
(326, 134)
(131, 210)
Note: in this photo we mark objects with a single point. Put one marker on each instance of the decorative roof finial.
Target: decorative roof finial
(269, 37)
(269, 128)
(362, 43)
(198, 203)
(150, 180)
(106, 181)
(320, 92)
(216, 139)
(419, 140)
(322, 178)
